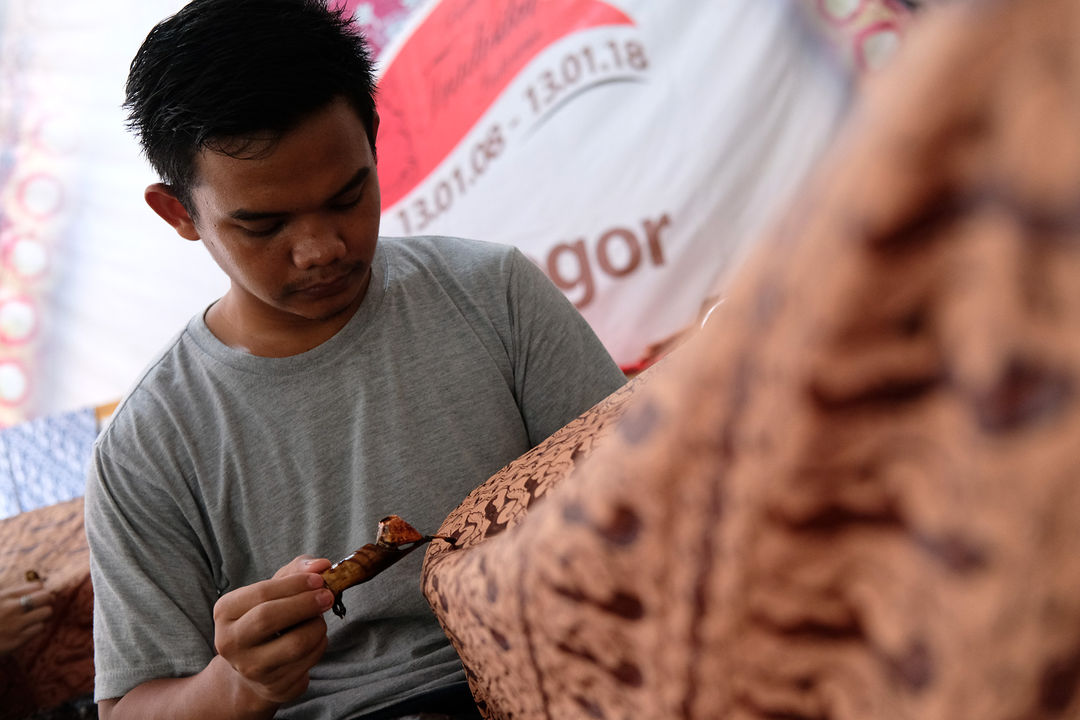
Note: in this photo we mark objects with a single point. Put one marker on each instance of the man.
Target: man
(340, 379)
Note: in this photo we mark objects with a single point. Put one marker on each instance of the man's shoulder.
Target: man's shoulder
(447, 252)
(157, 387)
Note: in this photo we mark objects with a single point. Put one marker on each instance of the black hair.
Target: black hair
(221, 74)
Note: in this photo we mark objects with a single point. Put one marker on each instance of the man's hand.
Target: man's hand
(272, 632)
(24, 608)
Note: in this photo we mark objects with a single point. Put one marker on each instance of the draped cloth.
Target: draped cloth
(57, 665)
(854, 493)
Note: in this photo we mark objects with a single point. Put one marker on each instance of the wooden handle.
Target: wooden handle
(394, 540)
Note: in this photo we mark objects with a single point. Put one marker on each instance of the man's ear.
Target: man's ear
(162, 201)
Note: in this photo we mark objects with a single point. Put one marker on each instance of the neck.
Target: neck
(267, 335)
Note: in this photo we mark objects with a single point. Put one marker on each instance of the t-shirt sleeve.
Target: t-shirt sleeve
(153, 587)
(561, 369)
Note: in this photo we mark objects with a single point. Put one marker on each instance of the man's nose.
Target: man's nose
(317, 243)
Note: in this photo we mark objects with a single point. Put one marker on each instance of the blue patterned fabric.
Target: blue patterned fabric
(44, 461)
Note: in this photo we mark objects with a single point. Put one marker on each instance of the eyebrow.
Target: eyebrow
(352, 183)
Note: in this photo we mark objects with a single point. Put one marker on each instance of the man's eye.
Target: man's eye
(347, 204)
(262, 231)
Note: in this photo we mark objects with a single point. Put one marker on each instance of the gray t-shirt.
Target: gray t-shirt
(219, 466)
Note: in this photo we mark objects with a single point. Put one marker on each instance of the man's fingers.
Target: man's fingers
(293, 677)
(279, 668)
(272, 632)
(298, 650)
(287, 689)
(270, 618)
(234, 605)
(303, 564)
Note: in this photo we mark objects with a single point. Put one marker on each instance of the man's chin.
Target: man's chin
(336, 308)
(323, 304)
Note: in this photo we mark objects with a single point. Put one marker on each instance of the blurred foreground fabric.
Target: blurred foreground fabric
(853, 495)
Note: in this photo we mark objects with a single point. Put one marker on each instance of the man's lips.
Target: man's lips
(328, 286)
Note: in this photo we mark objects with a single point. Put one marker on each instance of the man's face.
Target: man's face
(295, 226)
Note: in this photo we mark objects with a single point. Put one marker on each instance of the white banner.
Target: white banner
(632, 149)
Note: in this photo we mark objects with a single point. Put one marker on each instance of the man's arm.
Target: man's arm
(561, 367)
(267, 635)
(211, 694)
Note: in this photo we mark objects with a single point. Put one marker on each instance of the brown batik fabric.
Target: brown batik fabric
(856, 493)
(57, 665)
